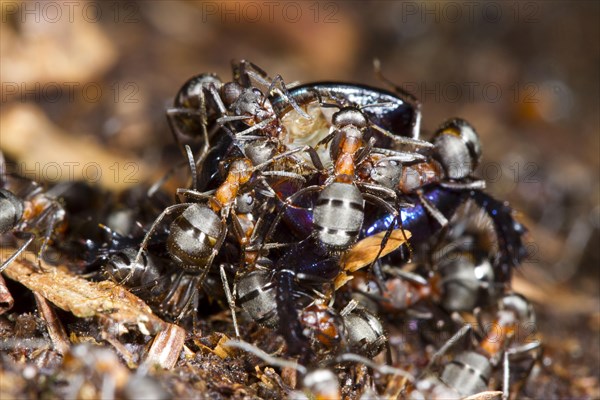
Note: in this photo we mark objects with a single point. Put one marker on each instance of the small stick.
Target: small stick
(57, 333)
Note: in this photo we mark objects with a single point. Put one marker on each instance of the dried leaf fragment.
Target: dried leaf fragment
(365, 252)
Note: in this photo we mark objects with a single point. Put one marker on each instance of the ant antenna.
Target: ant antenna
(384, 369)
(279, 362)
(405, 95)
(321, 103)
(192, 163)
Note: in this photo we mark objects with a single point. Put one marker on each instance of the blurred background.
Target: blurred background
(85, 86)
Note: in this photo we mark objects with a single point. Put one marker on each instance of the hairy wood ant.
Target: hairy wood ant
(28, 212)
(470, 371)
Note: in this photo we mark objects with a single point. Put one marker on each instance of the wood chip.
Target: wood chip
(489, 395)
(55, 328)
(6, 299)
(167, 346)
(108, 302)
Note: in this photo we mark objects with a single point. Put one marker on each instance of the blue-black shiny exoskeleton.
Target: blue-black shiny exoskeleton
(395, 112)
(435, 186)
(274, 294)
(423, 226)
(366, 185)
(289, 295)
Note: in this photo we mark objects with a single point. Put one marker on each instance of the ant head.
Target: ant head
(260, 151)
(520, 306)
(190, 91)
(350, 116)
(231, 91)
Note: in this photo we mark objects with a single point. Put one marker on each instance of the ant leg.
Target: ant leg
(286, 94)
(282, 155)
(264, 208)
(203, 123)
(131, 272)
(286, 174)
(47, 235)
(238, 231)
(395, 155)
(167, 211)
(244, 70)
(230, 301)
(266, 190)
(289, 323)
(352, 304)
(380, 190)
(389, 230)
(185, 195)
(242, 134)
(475, 185)
(409, 276)
(269, 359)
(405, 96)
(221, 121)
(145, 286)
(433, 211)
(389, 207)
(192, 165)
(462, 332)
(379, 276)
(327, 138)
(363, 153)
(314, 157)
(195, 322)
(240, 236)
(217, 98)
(214, 252)
(173, 288)
(505, 377)
(158, 184)
(402, 139)
(287, 202)
(526, 348)
(16, 254)
(190, 299)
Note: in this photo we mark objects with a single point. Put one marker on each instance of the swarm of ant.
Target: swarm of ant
(321, 249)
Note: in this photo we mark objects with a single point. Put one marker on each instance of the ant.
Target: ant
(205, 100)
(320, 382)
(198, 233)
(437, 196)
(470, 371)
(28, 213)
